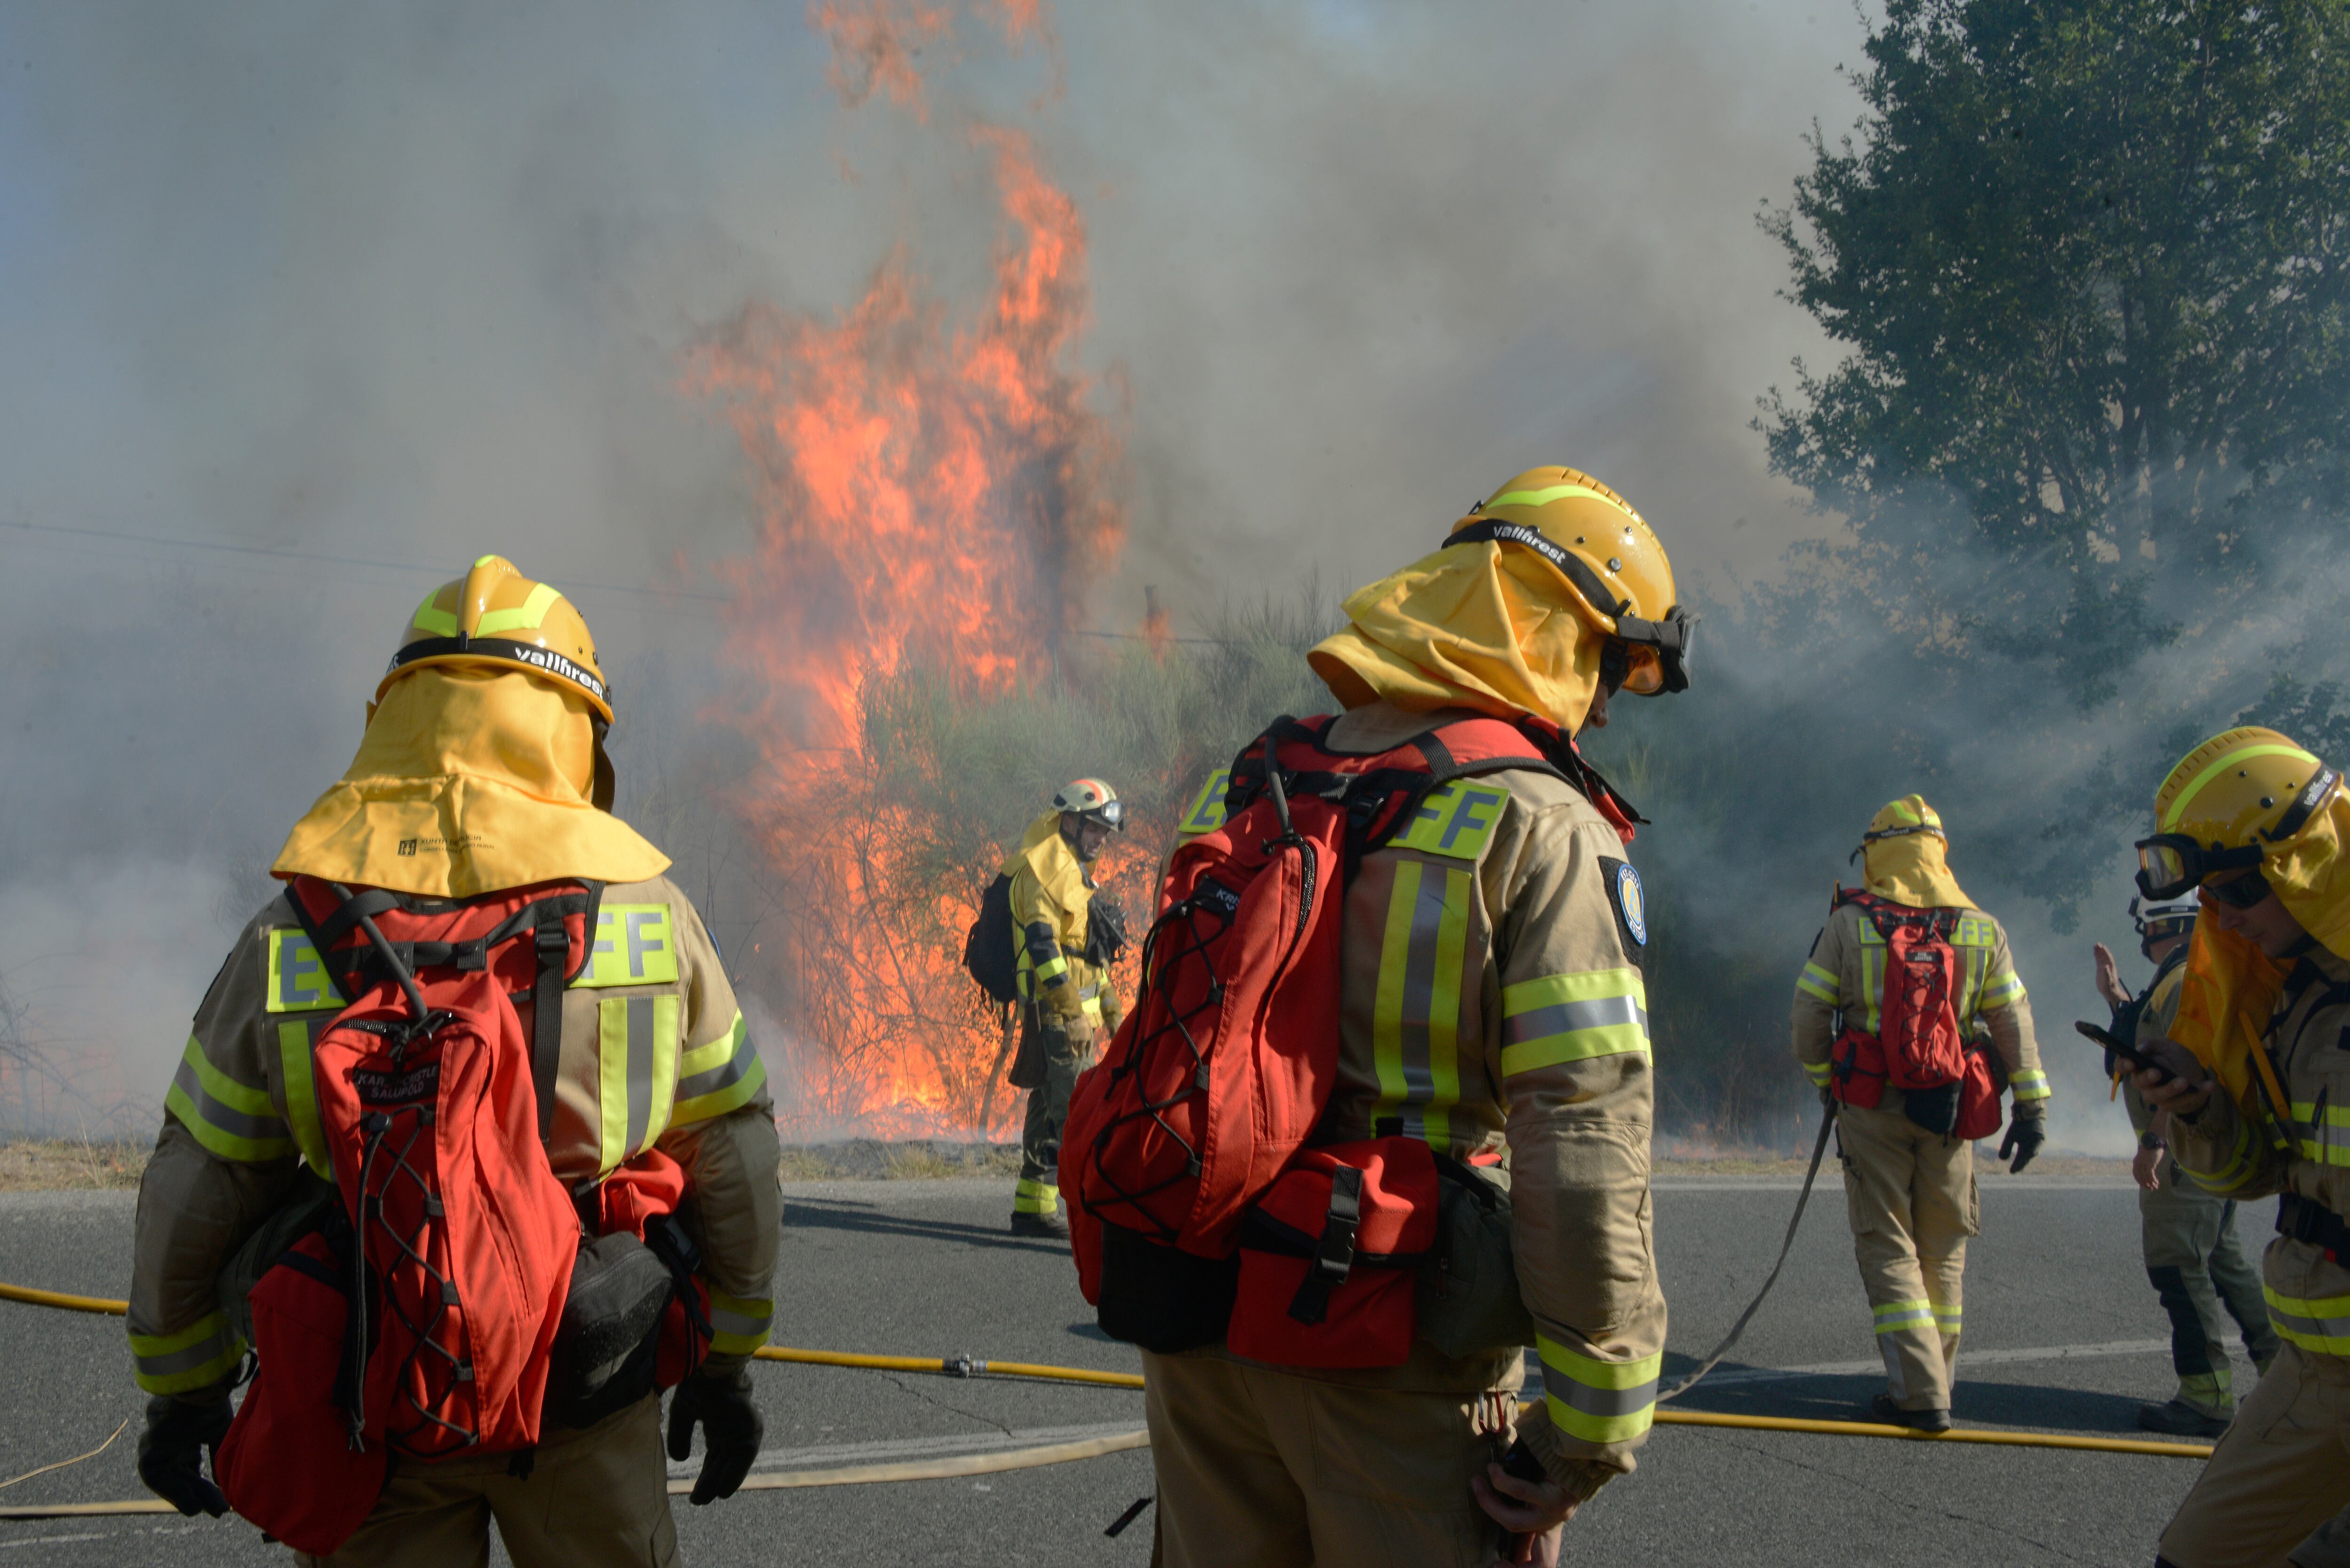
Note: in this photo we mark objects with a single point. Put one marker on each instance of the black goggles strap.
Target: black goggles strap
(506, 649)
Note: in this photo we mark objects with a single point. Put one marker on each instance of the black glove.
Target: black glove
(730, 1430)
(171, 1452)
(2025, 1137)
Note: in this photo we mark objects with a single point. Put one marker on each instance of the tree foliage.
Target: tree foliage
(2089, 257)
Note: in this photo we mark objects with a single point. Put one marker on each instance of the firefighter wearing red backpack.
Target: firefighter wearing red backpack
(472, 1112)
(1908, 1015)
(1064, 937)
(1390, 1063)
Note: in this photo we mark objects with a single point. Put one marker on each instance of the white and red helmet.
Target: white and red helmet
(1093, 801)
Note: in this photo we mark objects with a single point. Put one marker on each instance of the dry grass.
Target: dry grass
(70, 1165)
(920, 1159)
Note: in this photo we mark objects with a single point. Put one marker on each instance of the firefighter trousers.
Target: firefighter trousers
(597, 1498)
(1261, 1468)
(2277, 1484)
(2202, 1278)
(1910, 1194)
(1039, 1191)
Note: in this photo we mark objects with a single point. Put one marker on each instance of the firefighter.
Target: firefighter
(2192, 1257)
(1908, 1178)
(2258, 1093)
(1491, 1002)
(1065, 940)
(482, 768)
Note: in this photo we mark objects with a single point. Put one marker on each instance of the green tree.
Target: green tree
(2088, 256)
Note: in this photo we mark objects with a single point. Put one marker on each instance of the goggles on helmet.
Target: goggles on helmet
(2170, 864)
(1868, 838)
(1633, 667)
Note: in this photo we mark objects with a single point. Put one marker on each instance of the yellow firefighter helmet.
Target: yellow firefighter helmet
(495, 616)
(2227, 802)
(1615, 571)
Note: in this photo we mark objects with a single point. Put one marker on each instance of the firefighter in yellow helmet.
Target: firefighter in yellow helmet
(2257, 1092)
(482, 769)
(1067, 937)
(1908, 1177)
(1503, 1020)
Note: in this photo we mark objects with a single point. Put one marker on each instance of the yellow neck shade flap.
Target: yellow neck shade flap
(1473, 626)
(1912, 868)
(468, 780)
(1053, 862)
(2231, 987)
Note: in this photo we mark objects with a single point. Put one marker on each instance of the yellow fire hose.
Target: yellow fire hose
(1061, 1453)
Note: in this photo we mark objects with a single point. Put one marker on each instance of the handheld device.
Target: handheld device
(2130, 1054)
(1520, 1461)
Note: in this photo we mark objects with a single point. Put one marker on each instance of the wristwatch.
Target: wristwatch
(2149, 1140)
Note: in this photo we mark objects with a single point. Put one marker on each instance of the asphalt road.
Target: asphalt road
(2063, 1334)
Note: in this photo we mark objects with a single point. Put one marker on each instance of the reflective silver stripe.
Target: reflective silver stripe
(725, 1076)
(1563, 1017)
(1603, 1403)
(640, 1068)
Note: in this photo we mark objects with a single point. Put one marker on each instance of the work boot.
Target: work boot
(1050, 1226)
(1884, 1409)
(2178, 1418)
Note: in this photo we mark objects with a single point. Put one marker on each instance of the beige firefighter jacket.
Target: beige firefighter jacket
(1492, 1001)
(653, 1055)
(1844, 979)
(2226, 1153)
(1051, 898)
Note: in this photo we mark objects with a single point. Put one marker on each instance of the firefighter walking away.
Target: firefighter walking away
(1380, 1121)
(1909, 1017)
(479, 1027)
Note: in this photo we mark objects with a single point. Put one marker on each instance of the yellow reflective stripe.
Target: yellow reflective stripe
(2002, 991)
(1872, 974)
(1593, 1400)
(2235, 1173)
(1572, 1017)
(718, 1077)
(1545, 495)
(2030, 1086)
(230, 1119)
(1386, 1002)
(197, 1357)
(1035, 1197)
(1947, 1319)
(1894, 1316)
(738, 1325)
(636, 1073)
(2221, 764)
(1207, 813)
(1822, 983)
(295, 1041)
(2305, 1112)
(528, 618)
(438, 622)
(1820, 1073)
(2321, 1323)
(1444, 1013)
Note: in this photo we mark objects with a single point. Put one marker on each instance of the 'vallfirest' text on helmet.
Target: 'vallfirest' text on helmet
(1615, 569)
(1093, 801)
(495, 616)
(2224, 803)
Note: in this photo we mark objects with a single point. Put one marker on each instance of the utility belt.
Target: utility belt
(2305, 1220)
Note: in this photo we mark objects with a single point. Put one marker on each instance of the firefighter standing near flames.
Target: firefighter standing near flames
(2256, 1087)
(1491, 1003)
(2192, 1258)
(482, 768)
(1908, 1175)
(1065, 938)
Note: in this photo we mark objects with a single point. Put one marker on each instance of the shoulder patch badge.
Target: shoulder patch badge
(1631, 905)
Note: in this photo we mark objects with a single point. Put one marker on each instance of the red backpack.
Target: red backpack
(1219, 1075)
(423, 1318)
(1918, 1048)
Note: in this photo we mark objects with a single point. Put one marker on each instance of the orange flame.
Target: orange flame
(930, 491)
